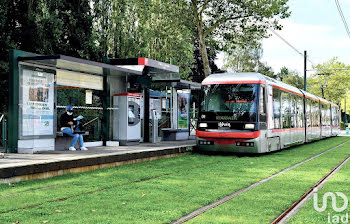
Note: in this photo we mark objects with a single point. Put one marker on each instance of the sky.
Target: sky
(314, 26)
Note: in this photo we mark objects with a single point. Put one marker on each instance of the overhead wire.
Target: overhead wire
(290, 45)
(342, 17)
(301, 54)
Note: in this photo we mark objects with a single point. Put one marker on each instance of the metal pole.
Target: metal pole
(305, 58)
(322, 93)
(4, 134)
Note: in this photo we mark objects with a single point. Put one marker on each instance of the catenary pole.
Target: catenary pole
(305, 58)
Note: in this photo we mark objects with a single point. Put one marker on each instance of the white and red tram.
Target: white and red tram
(253, 113)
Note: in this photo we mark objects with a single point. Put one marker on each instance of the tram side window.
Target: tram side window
(292, 111)
(276, 108)
(327, 111)
(285, 109)
(262, 104)
(317, 113)
(337, 117)
(313, 114)
(325, 114)
(300, 112)
(308, 113)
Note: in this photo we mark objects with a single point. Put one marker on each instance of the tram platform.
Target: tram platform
(16, 167)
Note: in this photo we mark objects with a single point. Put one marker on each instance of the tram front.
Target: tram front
(228, 117)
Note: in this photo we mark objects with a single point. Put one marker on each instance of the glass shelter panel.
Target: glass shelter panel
(86, 102)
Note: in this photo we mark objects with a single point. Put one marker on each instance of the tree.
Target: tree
(290, 77)
(247, 59)
(233, 22)
(282, 73)
(338, 83)
(197, 71)
(145, 28)
(294, 79)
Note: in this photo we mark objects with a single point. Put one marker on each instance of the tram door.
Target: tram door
(286, 118)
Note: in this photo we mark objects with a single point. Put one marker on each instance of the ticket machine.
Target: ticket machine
(126, 119)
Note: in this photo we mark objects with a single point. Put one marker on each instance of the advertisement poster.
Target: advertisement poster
(37, 103)
(183, 110)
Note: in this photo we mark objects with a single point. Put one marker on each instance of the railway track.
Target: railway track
(241, 191)
(294, 208)
(96, 190)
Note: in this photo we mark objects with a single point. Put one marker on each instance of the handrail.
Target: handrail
(90, 121)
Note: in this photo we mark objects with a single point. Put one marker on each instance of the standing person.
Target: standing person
(66, 122)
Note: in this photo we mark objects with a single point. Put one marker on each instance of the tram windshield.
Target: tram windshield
(237, 101)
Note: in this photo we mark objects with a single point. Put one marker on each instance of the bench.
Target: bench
(63, 141)
(172, 134)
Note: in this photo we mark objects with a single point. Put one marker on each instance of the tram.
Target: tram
(253, 113)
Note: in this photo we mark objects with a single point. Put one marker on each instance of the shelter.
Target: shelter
(42, 86)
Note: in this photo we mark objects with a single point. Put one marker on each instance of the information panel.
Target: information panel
(37, 101)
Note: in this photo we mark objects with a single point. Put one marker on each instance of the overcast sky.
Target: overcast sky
(314, 26)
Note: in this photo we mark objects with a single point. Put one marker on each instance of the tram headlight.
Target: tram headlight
(203, 125)
(249, 126)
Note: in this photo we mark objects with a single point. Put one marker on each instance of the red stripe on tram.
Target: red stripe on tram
(244, 135)
(233, 82)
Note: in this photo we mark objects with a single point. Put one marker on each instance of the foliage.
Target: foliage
(175, 32)
(145, 28)
(197, 68)
(290, 77)
(247, 59)
(235, 22)
(338, 83)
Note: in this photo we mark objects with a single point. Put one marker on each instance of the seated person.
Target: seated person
(66, 123)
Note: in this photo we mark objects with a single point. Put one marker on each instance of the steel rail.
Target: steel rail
(241, 191)
(294, 208)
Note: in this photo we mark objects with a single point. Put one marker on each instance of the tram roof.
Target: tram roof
(257, 78)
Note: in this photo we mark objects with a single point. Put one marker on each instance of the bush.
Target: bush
(342, 125)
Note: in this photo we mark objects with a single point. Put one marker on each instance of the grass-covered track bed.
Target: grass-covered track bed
(152, 192)
(338, 183)
(267, 201)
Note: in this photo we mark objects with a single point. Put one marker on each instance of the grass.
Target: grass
(151, 192)
(265, 202)
(337, 183)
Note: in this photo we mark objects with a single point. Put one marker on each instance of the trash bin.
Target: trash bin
(347, 130)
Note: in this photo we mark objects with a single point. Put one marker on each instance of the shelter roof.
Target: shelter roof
(77, 65)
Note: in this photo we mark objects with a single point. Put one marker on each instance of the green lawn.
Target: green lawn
(338, 183)
(265, 202)
(152, 192)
